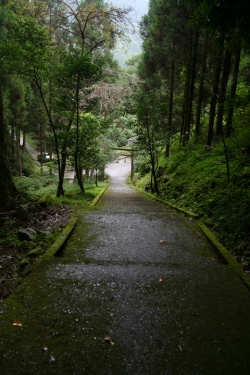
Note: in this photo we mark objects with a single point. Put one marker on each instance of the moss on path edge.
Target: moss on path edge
(55, 248)
(223, 253)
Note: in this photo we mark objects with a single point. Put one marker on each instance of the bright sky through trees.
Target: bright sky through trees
(140, 8)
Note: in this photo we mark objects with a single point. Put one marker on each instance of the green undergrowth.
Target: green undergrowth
(40, 186)
(196, 180)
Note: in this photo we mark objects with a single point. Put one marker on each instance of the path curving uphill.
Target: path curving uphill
(137, 291)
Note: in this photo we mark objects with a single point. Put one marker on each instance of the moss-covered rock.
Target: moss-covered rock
(45, 201)
(24, 263)
(35, 252)
(27, 245)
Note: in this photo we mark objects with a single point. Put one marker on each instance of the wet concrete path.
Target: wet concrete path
(145, 278)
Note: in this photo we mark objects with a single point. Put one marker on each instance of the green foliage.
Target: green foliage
(29, 166)
(34, 184)
(86, 140)
(12, 239)
(45, 239)
(43, 186)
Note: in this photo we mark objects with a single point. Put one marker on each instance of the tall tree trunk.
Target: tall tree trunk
(12, 137)
(24, 139)
(155, 184)
(78, 169)
(223, 90)
(184, 132)
(213, 101)
(61, 171)
(192, 81)
(18, 151)
(230, 111)
(200, 93)
(79, 177)
(191, 70)
(151, 147)
(170, 129)
(7, 187)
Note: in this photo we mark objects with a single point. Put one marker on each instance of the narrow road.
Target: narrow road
(137, 291)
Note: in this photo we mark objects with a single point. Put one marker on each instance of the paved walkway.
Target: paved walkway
(137, 291)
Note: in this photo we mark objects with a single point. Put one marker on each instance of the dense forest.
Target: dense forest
(192, 112)
(182, 104)
(57, 76)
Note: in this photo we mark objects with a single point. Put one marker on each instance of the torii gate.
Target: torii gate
(132, 158)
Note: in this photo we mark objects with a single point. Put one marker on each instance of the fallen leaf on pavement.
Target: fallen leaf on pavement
(211, 258)
(17, 323)
(107, 338)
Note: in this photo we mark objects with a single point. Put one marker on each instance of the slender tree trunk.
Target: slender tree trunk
(7, 187)
(200, 93)
(223, 90)
(96, 177)
(191, 70)
(213, 101)
(24, 139)
(184, 133)
(154, 184)
(78, 169)
(12, 137)
(230, 111)
(61, 171)
(170, 129)
(192, 81)
(18, 151)
(80, 181)
(60, 191)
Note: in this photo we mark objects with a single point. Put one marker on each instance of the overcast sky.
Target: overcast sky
(140, 7)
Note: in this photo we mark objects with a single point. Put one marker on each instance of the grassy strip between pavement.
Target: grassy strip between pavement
(223, 253)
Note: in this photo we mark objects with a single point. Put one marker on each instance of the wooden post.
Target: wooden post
(132, 165)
